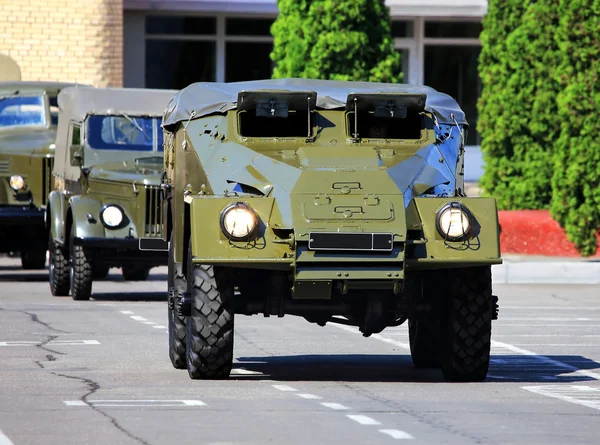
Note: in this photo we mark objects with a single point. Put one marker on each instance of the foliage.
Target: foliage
(518, 110)
(576, 180)
(336, 40)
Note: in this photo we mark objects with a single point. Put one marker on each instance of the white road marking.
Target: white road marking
(148, 322)
(242, 371)
(284, 388)
(4, 440)
(397, 434)
(127, 312)
(143, 403)
(159, 327)
(376, 336)
(138, 318)
(193, 403)
(336, 406)
(363, 420)
(578, 394)
(309, 396)
(546, 360)
(51, 343)
(75, 403)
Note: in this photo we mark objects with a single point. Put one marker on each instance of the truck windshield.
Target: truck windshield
(21, 111)
(124, 132)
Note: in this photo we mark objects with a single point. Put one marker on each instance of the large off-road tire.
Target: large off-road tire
(176, 284)
(424, 338)
(468, 325)
(135, 273)
(209, 336)
(58, 270)
(80, 271)
(100, 271)
(34, 259)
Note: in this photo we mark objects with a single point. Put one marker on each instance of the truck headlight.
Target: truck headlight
(454, 221)
(17, 182)
(239, 221)
(111, 216)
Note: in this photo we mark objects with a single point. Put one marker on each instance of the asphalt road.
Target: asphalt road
(97, 372)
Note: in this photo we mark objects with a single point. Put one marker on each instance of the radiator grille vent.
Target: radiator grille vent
(47, 178)
(153, 212)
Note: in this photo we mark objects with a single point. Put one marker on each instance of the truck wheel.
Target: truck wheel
(34, 259)
(135, 273)
(80, 271)
(176, 285)
(466, 354)
(100, 272)
(424, 338)
(209, 336)
(58, 273)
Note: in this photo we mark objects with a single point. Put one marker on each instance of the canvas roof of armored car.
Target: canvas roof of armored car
(23, 87)
(210, 97)
(77, 103)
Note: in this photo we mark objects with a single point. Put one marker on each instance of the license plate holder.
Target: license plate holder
(365, 242)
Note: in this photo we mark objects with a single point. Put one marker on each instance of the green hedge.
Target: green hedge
(517, 118)
(576, 180)
(335, 39)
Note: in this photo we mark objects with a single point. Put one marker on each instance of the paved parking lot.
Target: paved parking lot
(98, 372)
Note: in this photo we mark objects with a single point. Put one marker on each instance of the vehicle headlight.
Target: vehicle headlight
(17, 182)
(239, 221)
(111, 216)
(454, 221)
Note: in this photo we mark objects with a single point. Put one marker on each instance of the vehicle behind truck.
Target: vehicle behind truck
(338, 202)
(28, 119)
(109, 161)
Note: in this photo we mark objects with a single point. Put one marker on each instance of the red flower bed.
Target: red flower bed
(534, 232)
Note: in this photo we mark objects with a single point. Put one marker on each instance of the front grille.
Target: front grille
(47, 178)
(4, 167)
(153, 221)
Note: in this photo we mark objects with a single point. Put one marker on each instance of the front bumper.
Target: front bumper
(21, 215)
(118, 252)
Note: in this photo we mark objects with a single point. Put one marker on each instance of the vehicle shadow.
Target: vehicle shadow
(399, 368)
(29, 275)
(130, 296)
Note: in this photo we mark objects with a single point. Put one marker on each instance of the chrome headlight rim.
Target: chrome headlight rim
(19, 180)
(106, 223)
(234, 206)
(465, 211)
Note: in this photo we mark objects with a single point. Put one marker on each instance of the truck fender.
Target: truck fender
(55, 216)
(86, 227)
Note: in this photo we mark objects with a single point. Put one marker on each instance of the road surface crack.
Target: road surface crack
(93, 388)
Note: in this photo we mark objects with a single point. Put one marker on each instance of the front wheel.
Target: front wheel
(80, 271)
(176, 285)
(468, 325)
(424, 338)
(209, 336)
(58, 270)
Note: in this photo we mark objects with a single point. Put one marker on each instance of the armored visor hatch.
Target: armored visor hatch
(109, 162)
(337, 202)
(28, 117)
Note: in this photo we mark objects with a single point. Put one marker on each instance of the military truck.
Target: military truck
(28, 117)
(339, 202)
(105, 209)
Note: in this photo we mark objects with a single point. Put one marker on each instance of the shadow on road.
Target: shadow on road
(130, 296)
(399, 368)
(34, 276)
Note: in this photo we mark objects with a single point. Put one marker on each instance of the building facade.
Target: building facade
(172, 43)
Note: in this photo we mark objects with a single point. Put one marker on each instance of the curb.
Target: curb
(546, 272)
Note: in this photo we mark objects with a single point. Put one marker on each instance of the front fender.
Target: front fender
(55, 216)
(86, 227)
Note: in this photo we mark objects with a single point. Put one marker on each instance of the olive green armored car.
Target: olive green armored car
(106, 203)
(28, 117)
(336, 202)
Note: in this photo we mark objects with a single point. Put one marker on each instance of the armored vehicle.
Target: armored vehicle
(109, 163)
(28, 117)
(337, 202)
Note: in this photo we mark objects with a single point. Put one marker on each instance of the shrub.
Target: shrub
(336, 40)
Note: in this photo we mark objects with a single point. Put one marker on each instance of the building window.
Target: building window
(402, 28)
(453, 70)
(248, 61)
(451, 29)
(181, 25)
(178, 63)
(248, 27)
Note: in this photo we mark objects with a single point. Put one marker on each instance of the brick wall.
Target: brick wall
(65, 40)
